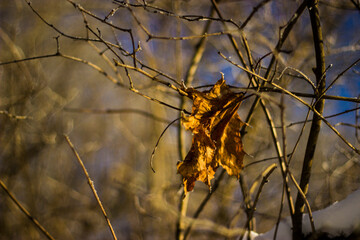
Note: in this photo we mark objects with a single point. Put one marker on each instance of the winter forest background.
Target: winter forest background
(103, 79)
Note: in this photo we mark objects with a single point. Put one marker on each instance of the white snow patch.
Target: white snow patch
(340, 218)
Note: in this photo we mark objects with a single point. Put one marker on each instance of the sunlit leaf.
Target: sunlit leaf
(216, 141)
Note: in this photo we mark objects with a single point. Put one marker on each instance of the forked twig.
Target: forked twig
(300, 100)
(92, 187)
(303, 76)
(249, 226)
(286, 162)
(155, 78)
(265, 175)
(156, 10)
(230, 37)
(338, 76)
(129, 31)
(307, 204)
(55, 28)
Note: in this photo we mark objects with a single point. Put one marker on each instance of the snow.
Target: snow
(340, 218)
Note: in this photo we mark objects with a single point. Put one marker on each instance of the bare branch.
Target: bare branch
(92, 187)
(316, 123)
(26, 212)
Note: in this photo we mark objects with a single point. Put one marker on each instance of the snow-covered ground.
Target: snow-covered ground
(341, 218)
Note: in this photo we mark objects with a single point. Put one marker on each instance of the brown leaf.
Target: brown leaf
(216, 141)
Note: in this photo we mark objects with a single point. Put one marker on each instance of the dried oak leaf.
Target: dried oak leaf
(216, 141)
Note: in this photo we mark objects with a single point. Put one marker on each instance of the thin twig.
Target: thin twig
(129, 31)
(312, 108)
(55, 28)
(255, 9)
(156, 10)
(230, 37)
(26, 212)
(303, 76)
(280, 212)
(12, 116)
(302, 94)
(108, 61)
(158, 101)
(94, 66)
(264, 179)
(125, 53)
(265, 175)
(249, 226)
(157, 143)
(100, 70)
(307, 204)
(263, 160)
(326, 117)
(98, 35)
(299, 137)
(116, 111)
(284, 34)
(29, 59)
(348, 125)
(279, 152)
(151, 36)
(92, 187)
(109, 45)
(286, 162)
(338, 76)
(299, 94)
(155, 78)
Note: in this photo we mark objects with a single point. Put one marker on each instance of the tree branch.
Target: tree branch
(319, 71)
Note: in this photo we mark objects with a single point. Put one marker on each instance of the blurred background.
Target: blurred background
(115, 130)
